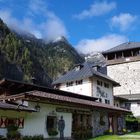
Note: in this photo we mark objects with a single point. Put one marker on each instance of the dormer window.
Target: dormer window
(77, 68)
(97, 68)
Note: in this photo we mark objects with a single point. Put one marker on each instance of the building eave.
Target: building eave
(7, 106)
(38, 96)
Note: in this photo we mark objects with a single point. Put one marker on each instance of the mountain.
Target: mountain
(24, 57)
(96, 58)
(61, 56)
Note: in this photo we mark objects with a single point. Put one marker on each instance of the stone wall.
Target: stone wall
(98, 128)
(128, 75)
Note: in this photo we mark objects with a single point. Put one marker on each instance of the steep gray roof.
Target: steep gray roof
(124, 46)
(86, 71)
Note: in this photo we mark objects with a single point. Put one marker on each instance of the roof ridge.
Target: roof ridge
(123, 46)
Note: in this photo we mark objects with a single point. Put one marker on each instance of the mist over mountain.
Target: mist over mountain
(24, 57)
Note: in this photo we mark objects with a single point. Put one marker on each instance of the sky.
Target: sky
(89, 25)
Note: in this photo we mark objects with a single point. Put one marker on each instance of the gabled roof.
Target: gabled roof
(120, 98)
(86, 71)
(17, 87)
(124, 46)
(7, 106)
(46, 97)
(130, 97)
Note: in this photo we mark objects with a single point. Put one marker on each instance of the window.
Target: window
(138, 103)
(81, 118)
(51, 125)
(79, 67)
(100, 83)
(68, 84)
(100, 100)
(19, 122)
(11, 121)
(102, 122)
(127, 106)
(107, 101)
(106, 85)
(80, 82)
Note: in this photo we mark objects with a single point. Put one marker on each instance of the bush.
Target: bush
(108, 132)
(52, 132)
(12, 132)
(2, 137)
(36, 137)
(82, 133)
(27, 138)
(132, 122)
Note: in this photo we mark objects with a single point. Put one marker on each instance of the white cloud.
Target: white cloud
(49, 28)
(96, 9)
(53, 28)
(25, 25)
(37, 7)
(123, 21)
(100, 44)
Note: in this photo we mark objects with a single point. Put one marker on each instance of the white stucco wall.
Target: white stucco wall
(83, 89)
(108, 91)
(89, 88)
(128, 75)
(135, 108)
(35, 123)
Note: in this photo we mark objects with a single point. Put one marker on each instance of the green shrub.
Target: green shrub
(52, 132)
(27, 138)
(12, 132)
(2, 137)
(107, 132)
(82, 133)
(36, 137)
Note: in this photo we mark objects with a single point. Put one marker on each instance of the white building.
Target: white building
(88, 79)
(36, 110)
